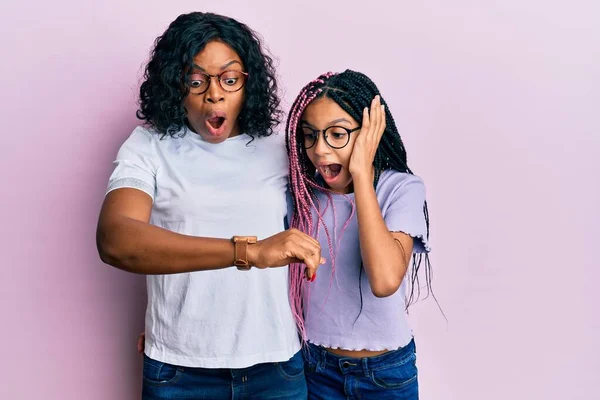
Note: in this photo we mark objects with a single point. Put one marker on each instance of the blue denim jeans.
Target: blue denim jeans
(282, 380)
(392, 375)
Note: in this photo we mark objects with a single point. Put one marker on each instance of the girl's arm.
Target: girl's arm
(385, 254)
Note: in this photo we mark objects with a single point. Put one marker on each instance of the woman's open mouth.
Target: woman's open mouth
(216, 121)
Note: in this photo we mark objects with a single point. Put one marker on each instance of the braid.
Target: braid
(302, 183)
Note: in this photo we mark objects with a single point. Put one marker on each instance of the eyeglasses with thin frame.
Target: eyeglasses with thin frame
(336, 137)
(229, 80)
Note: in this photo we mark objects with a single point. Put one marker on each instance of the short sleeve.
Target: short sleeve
(135, 165)
(403, 199)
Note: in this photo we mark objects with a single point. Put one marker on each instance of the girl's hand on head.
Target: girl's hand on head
(367, 141)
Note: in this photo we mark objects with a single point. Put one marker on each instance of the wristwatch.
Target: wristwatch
(240, 251)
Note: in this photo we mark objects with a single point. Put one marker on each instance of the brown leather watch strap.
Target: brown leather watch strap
(240, 252)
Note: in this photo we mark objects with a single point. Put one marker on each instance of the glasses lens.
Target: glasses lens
(198, 83)
(310, 137)
(337, 137)
(232, 81)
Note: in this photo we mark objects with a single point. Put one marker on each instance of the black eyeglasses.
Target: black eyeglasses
(336, 137)
(229, 81)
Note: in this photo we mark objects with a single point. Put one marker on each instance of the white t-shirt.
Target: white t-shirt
(223, 318)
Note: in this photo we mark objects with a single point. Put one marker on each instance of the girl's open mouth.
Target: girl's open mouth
(330, 171)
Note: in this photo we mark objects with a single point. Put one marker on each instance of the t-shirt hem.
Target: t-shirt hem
(132, 183)
(222, 362)
(425, 246)
(333, 342)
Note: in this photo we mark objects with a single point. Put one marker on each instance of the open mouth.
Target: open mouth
(330, 171)
(216, 122)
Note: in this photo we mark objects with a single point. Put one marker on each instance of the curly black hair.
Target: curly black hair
(162, 92)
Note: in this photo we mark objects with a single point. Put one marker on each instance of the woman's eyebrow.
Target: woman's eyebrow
(229, 64)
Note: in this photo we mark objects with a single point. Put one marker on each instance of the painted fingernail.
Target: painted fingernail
(314, 277)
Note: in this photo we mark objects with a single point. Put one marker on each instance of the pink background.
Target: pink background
(499, 108)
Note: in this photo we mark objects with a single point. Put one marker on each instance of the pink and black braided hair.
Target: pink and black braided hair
(352, 91)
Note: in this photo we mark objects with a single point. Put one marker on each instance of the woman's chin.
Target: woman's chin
(210, 137)
(215, 139)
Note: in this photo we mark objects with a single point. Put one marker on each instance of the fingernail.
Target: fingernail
(314, 277)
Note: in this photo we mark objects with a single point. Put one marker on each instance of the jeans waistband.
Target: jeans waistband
(322, 358)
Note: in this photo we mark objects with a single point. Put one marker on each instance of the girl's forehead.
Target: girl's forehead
(325, 111)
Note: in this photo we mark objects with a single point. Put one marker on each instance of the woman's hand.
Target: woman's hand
(283, 248)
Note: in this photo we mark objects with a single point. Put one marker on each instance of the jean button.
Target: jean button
(346, 364)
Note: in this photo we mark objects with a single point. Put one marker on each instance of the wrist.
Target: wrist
(252, 254)
(241, 247)
(363, 179)
(368, 171)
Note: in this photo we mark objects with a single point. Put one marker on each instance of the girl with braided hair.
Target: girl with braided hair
(352, 190)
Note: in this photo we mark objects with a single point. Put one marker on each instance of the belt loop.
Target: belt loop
(305, 352)
(365, 365)
(323, 359)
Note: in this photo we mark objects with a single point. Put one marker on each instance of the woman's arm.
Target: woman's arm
(126, 240)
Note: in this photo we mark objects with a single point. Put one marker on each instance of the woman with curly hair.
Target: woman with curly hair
(199, 190)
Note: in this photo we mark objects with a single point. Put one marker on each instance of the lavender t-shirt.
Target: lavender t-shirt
(333, 314)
